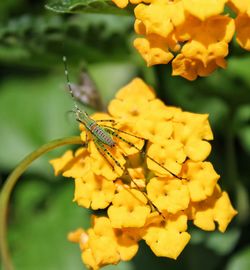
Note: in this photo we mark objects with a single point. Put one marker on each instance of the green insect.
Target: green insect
(102, 135)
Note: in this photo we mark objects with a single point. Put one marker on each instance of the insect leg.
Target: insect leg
(124, 132)
(106, 120)
(101, 147)
(113, 132)
(145, 195)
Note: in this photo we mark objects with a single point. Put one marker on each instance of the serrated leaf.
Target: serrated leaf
(87, 6)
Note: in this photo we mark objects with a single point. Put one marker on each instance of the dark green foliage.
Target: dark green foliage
(87, 6)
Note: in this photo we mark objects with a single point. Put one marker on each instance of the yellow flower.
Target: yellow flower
(129, 209)
(146, 194)
(206, 45)
(190, 69)
(203, 180)
(154, 50)
(193, 35)
(93, 191)
(168, 195)
(102, 244)
(170, 154)
(160, 17)
(167, 239)
(216, 208)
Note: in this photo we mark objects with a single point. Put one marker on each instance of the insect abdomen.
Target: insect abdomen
(102, 135)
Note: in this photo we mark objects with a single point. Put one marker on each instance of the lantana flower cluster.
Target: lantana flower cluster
(193, 34)
(154, 186)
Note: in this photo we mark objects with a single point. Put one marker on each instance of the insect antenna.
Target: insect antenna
(68, 82)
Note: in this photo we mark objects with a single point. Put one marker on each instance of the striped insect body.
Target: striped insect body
(101, 134)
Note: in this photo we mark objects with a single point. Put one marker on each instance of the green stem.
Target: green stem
(9, 185)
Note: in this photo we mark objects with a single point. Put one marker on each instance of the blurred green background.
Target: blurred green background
(33, 110)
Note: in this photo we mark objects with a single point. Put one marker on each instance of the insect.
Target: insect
(103, 137)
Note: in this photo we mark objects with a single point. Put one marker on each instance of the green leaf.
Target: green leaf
(32, 112)
(121, 266)
(241, 260)
(243, 126)
(223, 243)
(220, 243)
(42, 216)
(111, 76)
(87, 6)
(242, 202)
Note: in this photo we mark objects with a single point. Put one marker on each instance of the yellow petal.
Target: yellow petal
(169, 240)
(121, 3)
(153, 50)
(240, 6)
(243, 31)
(129, 209)
(202, 180)
(169, 154)
(93, 191)
(197, 149)
(171, 195)
(204, 9)
(216, 208)
(139, 89)
(59, 164)
(223, 211)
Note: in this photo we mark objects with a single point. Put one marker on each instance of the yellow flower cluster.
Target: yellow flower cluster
(194, 34)
(159, 189)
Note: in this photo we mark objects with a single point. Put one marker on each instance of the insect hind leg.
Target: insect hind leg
(106, 120)
(113, 132)
(122, 131)
(102, 149)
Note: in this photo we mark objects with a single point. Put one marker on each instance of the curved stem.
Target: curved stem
(10, 183)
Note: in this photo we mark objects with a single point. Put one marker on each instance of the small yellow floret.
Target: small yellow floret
(216, 208)
(168, 240)
(202, 180)
(169, 154)
(93, 191)
(128, 209)
(160, 17)
(153, 50)
(168, 195)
